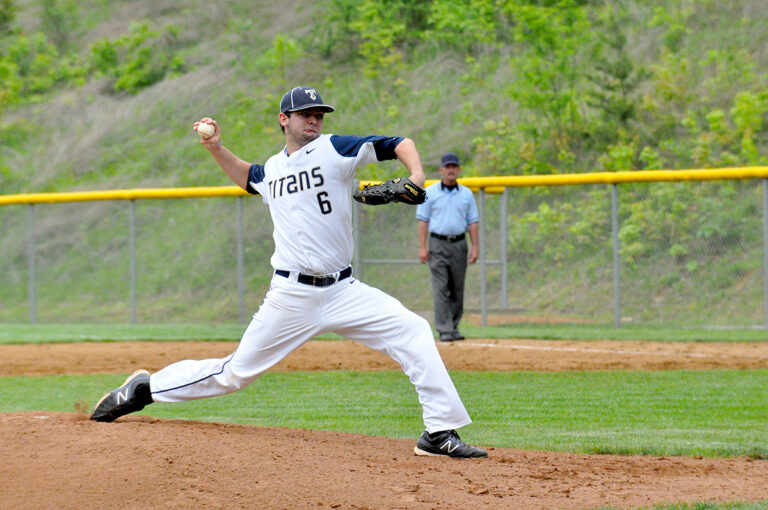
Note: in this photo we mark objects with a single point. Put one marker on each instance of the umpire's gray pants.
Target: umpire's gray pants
(448, 265)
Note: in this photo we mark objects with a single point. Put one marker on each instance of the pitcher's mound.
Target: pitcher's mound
(60, 460)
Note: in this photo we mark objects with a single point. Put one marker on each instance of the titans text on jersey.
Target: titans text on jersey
(294, 183)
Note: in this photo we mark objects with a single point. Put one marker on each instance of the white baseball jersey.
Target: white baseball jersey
(310, 199)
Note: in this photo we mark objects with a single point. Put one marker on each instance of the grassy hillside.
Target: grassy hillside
(99, 95)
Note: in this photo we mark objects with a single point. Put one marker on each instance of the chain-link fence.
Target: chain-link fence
(693, 253)
(689, 253)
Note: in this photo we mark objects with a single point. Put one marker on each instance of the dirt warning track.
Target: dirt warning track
(475, 354)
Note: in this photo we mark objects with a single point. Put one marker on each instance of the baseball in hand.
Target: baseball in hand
(205, 130)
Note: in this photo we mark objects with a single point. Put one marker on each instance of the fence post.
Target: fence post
(240, 269)
(357, 262)
(132, 248)
(765, 250)
(483, 304)
(503, 248)
(31, 255)
(615, 237)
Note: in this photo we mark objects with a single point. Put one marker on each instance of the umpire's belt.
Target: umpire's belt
(452, 239)
(317, 281)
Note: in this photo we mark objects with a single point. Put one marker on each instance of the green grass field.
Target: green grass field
(50, 333)
(707, 413)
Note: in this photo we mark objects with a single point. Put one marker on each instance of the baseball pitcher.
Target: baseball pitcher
(308, 188)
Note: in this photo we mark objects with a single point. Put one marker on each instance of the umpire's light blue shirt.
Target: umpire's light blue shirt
(448, 211)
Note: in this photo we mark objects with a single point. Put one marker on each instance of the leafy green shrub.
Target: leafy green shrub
(748, 112)
(466, 24)
(502, 149)
(669, 279)
(631, 245)
(104, 56)
(558, 229)
(284, 53)
(679, 252)
(139, 59)
(10, 83)
(380, 26)
(31, 66)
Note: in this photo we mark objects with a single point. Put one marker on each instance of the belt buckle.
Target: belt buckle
(323, 280)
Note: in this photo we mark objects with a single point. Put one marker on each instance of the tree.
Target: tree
(7, 15)
(616, 78)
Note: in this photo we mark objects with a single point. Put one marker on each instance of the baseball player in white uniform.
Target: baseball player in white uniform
(308, 187)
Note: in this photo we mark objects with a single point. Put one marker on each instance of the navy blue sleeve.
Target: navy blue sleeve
(255, 176)
(349, 146)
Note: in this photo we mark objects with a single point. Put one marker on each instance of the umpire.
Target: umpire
(448, 213)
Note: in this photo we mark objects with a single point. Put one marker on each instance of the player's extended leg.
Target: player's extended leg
(369, 316)
(283, 323)
(375, 319)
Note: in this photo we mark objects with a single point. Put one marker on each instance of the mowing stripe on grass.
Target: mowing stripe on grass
(602, 351)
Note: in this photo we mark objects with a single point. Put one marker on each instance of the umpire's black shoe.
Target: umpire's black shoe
(132, 396)
(451, 337)
(446, 443)
(446, 337)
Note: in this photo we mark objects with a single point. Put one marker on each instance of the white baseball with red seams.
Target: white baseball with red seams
(205, 130)
(309, 194)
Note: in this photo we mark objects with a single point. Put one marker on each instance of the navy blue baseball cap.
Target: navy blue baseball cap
(449, 158)
(303, 98)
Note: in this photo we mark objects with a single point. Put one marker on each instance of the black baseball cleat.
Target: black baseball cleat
(446, 443)
(132, 396)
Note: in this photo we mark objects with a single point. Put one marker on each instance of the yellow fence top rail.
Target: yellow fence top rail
(122, 194)
(489, 184)
(753, 172)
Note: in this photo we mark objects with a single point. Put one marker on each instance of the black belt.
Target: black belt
(317, 281)
(453, 239)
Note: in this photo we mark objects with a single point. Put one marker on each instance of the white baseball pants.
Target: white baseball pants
(291, 314)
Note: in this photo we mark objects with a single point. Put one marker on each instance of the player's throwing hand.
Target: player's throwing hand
(208, 129)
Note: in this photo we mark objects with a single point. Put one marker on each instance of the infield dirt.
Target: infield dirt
(63, 460)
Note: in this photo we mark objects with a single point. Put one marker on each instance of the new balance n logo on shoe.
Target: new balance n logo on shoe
(447, 447)
(446, 443)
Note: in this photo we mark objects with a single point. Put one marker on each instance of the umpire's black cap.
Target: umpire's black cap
(303, 98)
(449, 158)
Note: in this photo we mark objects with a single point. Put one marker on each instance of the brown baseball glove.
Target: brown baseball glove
(400, 189)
